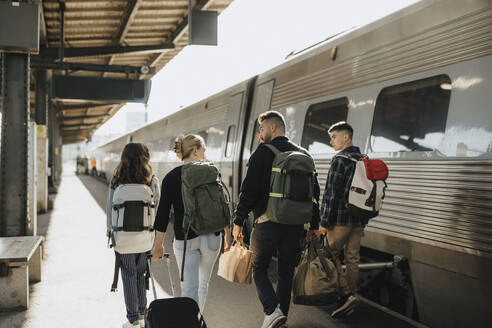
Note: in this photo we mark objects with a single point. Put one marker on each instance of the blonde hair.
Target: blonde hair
(183, 146)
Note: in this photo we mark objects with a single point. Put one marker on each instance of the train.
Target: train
(416, 86)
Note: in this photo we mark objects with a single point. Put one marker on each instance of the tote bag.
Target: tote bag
(236, 265)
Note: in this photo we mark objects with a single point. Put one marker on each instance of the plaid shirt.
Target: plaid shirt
(333, 209)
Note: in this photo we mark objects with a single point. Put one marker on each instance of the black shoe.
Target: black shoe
(346, 305)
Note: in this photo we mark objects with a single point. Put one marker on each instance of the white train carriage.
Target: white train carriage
(417, 88)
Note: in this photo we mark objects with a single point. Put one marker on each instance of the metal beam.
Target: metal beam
(130, 12)
(94, 67)
(78, 126)
(41, 95)
(52, 53)
(61, 49)
(43, 35)
(66, 118)
(14, 214)
(63, 108)
(200, 4)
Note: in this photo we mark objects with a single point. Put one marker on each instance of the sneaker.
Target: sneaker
(141, 321)
(346, 305)
(274, 320)
(128, 324)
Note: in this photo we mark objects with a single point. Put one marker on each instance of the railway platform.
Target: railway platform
(78, 270)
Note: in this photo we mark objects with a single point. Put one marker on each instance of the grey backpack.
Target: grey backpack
(292, 182)
(132, 220)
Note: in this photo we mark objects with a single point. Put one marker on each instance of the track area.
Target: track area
(78, 270)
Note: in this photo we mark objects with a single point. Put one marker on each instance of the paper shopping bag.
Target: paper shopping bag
(236, 265)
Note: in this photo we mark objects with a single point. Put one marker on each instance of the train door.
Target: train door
(261, 102)
(230, 147)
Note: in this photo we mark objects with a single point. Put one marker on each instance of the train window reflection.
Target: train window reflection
(255, 140)
(262, 103)
(231, 133)
(411, 116)
(319, 118)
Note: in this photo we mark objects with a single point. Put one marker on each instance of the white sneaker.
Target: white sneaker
(274, 320)
(346, 307)
(141, 321)
(128, 324)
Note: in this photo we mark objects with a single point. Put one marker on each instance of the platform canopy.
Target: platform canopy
(108, 39)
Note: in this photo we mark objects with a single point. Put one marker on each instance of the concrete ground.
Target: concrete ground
(78, 271)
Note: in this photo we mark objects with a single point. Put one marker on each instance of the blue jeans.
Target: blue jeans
(201, 254)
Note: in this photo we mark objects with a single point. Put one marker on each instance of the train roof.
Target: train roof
(402, 24)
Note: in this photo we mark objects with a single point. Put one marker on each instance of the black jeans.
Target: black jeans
(268, 237)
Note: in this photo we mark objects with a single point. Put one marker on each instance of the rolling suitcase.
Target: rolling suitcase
(175, 312)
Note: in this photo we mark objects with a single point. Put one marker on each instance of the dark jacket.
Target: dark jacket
(256, 185)
(333, 206)
(171, 197)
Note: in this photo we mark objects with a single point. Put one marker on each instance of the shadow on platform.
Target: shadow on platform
(97, 188)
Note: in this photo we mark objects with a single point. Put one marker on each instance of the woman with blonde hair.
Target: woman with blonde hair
(133, 170)
(202, 251)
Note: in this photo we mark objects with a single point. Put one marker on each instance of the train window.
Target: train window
(263, 102)
(255, 141)
(231, 134)
(411, 116)
(319, 118)
(172, 142)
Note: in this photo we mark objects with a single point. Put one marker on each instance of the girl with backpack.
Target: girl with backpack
(132, 179)
(202, 250)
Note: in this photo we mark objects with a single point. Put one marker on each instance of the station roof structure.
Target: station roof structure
(113, 36)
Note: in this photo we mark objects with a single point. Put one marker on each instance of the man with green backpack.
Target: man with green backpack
(282, 190)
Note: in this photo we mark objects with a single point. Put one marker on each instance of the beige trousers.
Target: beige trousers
(348, 237)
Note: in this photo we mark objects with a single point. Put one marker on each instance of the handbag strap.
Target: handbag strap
(320, 253)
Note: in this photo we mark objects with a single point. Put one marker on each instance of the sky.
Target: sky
(253, 36)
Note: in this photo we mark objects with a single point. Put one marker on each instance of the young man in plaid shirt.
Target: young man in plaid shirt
(341, 228)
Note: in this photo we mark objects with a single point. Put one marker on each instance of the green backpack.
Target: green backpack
(292, 182)
(206, 207)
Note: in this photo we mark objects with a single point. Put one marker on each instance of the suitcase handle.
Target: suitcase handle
(168, 264)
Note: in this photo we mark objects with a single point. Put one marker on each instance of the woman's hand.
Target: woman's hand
(158, 252)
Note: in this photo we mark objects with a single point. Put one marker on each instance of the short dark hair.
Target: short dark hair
(273, 115)
(342, 126)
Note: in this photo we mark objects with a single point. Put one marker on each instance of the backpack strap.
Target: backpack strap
(272, 148)
(318, 249)
(275, 152)
(184, 252)
(345, 156)
(117, 261)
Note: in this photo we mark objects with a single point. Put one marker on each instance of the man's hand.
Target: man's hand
(323, 231)
(237, 232)
(310, 234)
(227, 241)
